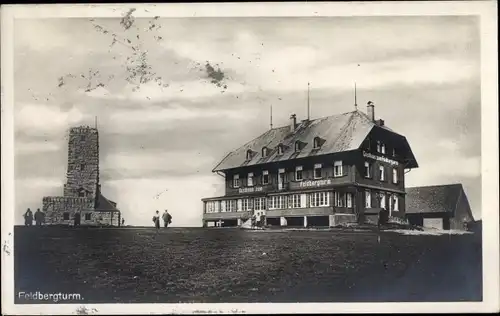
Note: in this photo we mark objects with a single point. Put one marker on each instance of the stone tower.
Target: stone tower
(82, 178)
(82, 202)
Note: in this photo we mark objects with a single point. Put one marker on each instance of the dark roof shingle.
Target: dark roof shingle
(343, 132)
(433, 199)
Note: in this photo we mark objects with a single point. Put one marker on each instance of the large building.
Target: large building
(82, 201)
(439, 206)
(321, 172)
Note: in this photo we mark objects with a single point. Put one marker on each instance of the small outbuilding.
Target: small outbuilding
(438, 206)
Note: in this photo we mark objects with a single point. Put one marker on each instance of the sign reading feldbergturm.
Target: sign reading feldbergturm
(315, 183)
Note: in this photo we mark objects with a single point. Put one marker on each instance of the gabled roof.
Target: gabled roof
(433, 199)
(103, 204)
(343, 132)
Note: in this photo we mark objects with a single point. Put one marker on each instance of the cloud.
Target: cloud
(42, 118)
(32, 147)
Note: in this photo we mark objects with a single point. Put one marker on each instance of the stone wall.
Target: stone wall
(82, 175)
(56, 207)
(100, 218)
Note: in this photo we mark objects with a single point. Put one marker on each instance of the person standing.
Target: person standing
(156, 220)
(28, 218)
(38, 218)
(167, 218)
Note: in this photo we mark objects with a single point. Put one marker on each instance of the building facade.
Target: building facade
(439, 206)
(82, 201)
(322, 172)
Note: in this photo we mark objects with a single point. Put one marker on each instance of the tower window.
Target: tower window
(88, 216)
(82, 137)
(65, 216)
(82, 166)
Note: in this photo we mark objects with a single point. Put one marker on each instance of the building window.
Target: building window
(379, 146)
(233, 206)
(82, 193)
(65, 216)
(82, 166)
(394, 152)
(394, 175)
(210, 207)
(223, 206)
(295, 201)
(381, 175)
(368, 169)
(339, 199)
(246, 205)
(265, 177)
(281, 179)
(393, 203)
(88, 216)
(317, 171)
(277, 202)
(349, 200)
(368, 199)
(250, 179)
(236, 181)
(298, 173)
(337, 169)
(382, 148)
(265, 152)
(260, 204)
(320, 199)
(382, 201)
(368, 144)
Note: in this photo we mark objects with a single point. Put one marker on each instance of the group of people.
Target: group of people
(258, 220)
(166, 217)
(39, 218)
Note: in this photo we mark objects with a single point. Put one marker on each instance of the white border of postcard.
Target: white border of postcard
(489, 142)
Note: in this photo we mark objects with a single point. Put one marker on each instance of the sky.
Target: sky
(165, 119)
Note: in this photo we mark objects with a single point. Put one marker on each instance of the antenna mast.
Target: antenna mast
(308, 103)
(355, 97)
(271, 116)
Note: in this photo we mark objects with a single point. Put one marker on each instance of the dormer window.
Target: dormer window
(265, 151)
(317, 142)
(249, 154)
(297, 146)
(280, 149)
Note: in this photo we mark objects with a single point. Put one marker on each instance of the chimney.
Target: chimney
(370, 110)
(293, 122)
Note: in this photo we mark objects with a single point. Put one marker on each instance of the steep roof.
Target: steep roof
(103, 204)
(343, 132)
(433, 199)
